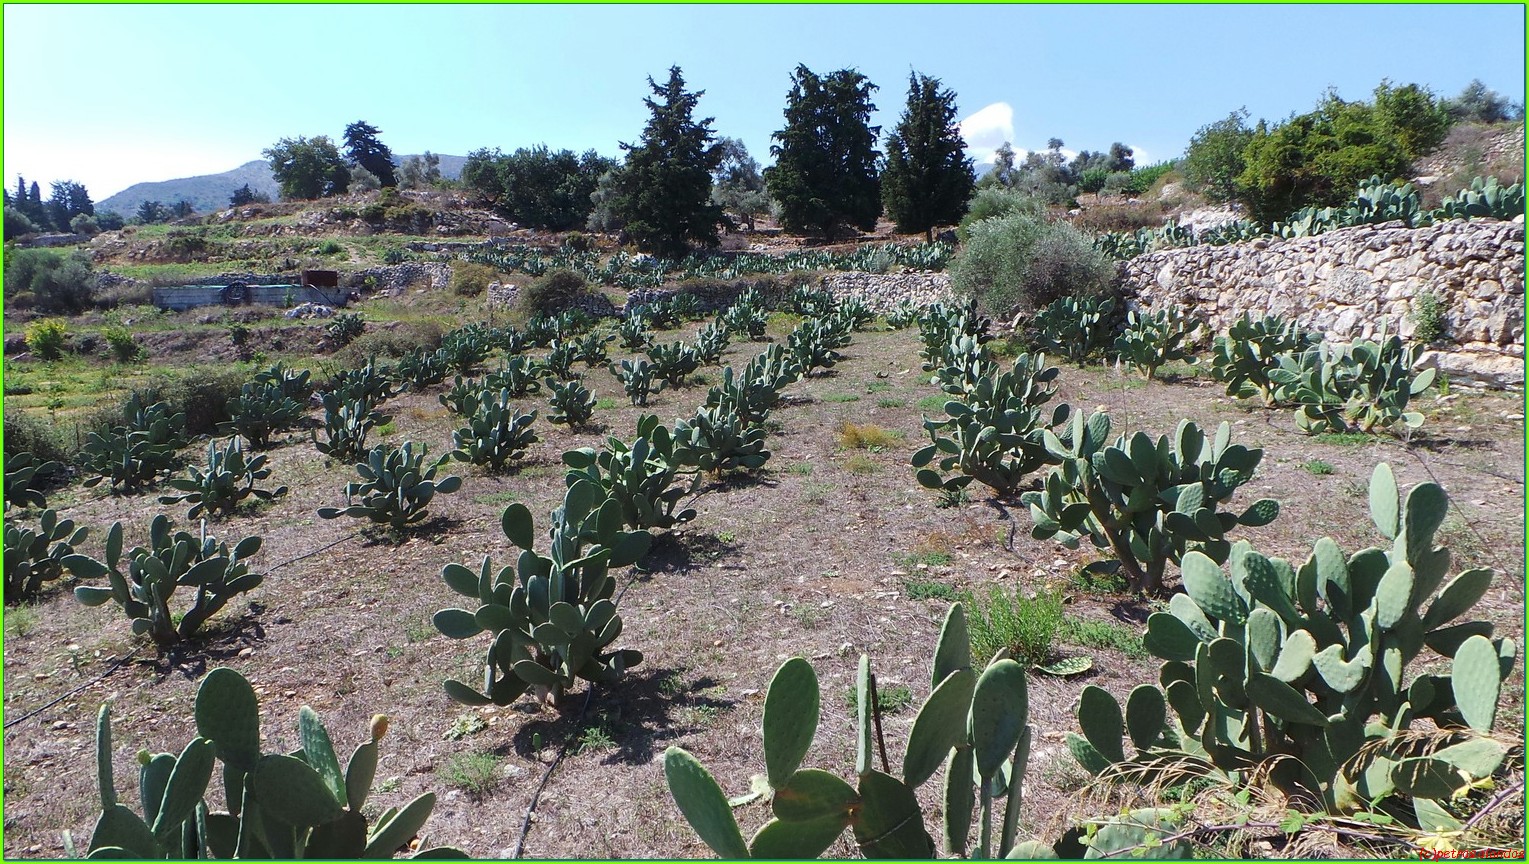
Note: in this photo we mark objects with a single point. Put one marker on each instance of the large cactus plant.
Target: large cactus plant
(519, 375)
(572, 403)
(146, 585)
(135, 453)
(261, 410)
(1244, 358)
(672, 361)
(636, 379)
(710, 342)
(396, 487)
(1150, 340)
(24, 477)
(228, 480)
(1074, 327)
(496, 434)
(1302, 671)
(552, 616)
(974, 726)
(34, 556)
(634, 333)
(1365, 387)
(369, 384)
(718, 439)
(992, 433)
(642, 477)
(1147, 502)
(346, 426)
(298, 805)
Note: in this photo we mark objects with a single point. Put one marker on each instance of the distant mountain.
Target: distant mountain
(209, 193)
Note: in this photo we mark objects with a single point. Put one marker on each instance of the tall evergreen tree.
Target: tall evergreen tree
(665, 196)
(825, 162)
(66, 200)
(365, 149)
(928, 177)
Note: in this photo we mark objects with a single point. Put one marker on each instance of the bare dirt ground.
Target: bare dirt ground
(810, 558)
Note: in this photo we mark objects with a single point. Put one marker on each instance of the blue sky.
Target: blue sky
(113, 95)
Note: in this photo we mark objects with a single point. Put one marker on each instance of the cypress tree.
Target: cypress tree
(928, 178)
(665, 197)
(825, 162)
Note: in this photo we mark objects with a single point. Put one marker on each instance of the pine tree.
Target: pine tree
(365, 149)
(825, 162)
(928, 177)
(665, 196)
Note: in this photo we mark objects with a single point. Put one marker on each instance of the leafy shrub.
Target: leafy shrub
(47, 338)
(1023, 262)
(59, 284)
(997, 202)
(25, 433)
(124, 348)
(1428, 318)
(471, 280)
(1004, 620)
(551, 294)
(390, 342)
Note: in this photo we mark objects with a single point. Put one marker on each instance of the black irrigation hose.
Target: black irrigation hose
(118, 664)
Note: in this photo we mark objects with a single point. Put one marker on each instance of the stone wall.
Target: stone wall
(394, 279)
(1352, 282)
(882, 292)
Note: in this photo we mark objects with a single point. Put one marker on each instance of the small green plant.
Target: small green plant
(1026, 628)
(145, 586)
(1428, 318)
(866, 436)
(47, 338)
(1317, 466)
(396, 487)
(891, 403)
(119, 340)
(889, 700)
(918, 588)
(477, 772)
(345, 327)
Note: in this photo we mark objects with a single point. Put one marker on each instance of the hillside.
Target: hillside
(209, 193)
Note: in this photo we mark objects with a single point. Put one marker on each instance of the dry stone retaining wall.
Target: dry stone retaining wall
(1351, 283)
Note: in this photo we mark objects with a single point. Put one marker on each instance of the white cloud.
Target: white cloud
(987, 130)
(1140, 156)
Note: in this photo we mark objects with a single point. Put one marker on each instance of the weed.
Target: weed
(928, 589)
(866, 436)
(954, 498)
(817, 493)
(1355, 488)
(606, 403)
(1103, 634)
(477, 773)
(672, 685)
(467, 723)
(1347, 439)
(495, 498)
(1427, 318)
(1094, 582)
(387, 429)
(878, 387)
(841, 397)
(932, 404)
(704, 715)
(595, 737)
(801, 469)
(1003, 619)
(807, 615)
(891, 403)
(21, 620)
(890, 699)
(418, 630)
(726, 537)
(1317, 467)
(860, 463)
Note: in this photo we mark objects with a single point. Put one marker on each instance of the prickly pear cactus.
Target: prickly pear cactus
(642, 477)
(1149, 341)
(1303, 671)
(552, 617)
(1147, 502)
(34, 556)
(496, 434)
(1244, 358)
(572, 403)
(228, 480)
(396, 486)
(24, 477)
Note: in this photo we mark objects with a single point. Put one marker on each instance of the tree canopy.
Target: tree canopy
(824, 174)
(928, 177)
(365, 149)
(308, 167)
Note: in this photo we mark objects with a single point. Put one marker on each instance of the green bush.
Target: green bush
(393, 343)
(47, 338)
(471, 280)
(1428, 318)
(202, 394)
(1023, 262)
(124, 348)
(59, 283)
(1026, 627)
(551, 294)
(996, 202)
(25, 433)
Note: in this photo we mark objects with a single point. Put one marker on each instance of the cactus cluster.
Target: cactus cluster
(396, 486)
(904, 315)
(710, 342)
(464, 348)
(369, 384)
(560, 359)
(941, 328)
(420, 369)
(296, 385)
(992, 429)
(814, 342)
(347, 422)
(746, 317)
(1250, 350)
(135, 453)
(507, 339)
(34, 556)
(496, 433)
(552, 616)
(343, 328)
(974, 726)
(522, 376)
(1148, 341)
(24, 477)
(1484, 199)
(228, 480)
(641, 477)
(261, 410)
(572, 403)
(1301, 672)
(636, 379)
(1074, 327)
(719, 439)
(634, 334)
(461, 398)
(1147, 502)
(298, 805)
(1364, 387)
(672, 361)
(146, 585)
